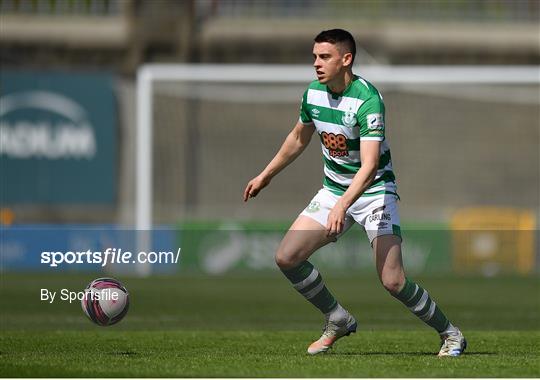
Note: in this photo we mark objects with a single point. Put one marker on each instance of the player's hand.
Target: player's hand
(255, 186)
(336, 220)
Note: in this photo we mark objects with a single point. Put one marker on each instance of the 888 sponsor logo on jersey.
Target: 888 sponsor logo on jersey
(335, 143)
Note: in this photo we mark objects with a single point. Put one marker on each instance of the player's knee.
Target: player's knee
(393, 284)
(284, 261)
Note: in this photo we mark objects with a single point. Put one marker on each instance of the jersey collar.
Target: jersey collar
(345, 92)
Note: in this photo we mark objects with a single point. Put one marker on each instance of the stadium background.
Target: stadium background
(466, 158)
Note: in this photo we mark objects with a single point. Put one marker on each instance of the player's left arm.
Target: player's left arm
(369, 156)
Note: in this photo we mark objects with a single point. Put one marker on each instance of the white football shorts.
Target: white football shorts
(377, 214)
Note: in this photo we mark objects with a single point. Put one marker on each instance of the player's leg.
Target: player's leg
(306, 235)
(387, 249)
(380, 217)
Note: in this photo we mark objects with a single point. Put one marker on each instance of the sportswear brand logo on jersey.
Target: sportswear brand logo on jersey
(315, 112)
(349, 119)
(375, 121)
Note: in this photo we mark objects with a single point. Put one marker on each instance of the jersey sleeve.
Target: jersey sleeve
(305, 117)
(370, 118)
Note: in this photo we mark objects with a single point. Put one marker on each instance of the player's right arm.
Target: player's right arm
(295, 143)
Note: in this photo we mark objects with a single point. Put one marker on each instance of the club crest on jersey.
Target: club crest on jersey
(315, 112)
(314, 206)
(349, 119)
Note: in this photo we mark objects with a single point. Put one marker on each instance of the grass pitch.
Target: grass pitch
(247, 326)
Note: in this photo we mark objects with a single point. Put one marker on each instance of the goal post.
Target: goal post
(398, 76)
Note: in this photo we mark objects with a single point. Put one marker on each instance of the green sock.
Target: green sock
(421, 304)
(309, 283)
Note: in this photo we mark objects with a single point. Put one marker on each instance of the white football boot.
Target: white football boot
(333, 330)
(452, 344)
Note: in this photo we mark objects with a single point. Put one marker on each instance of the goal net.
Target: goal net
(462, 138)
(459, 136)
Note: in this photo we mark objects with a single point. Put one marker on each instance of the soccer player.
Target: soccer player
(348, 115)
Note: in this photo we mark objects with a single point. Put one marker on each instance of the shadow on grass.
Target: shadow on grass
(389, 353)
(123, 353)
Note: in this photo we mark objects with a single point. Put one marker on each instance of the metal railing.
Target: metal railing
(62, 7)
(417, 10)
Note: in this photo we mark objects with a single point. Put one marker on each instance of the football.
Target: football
(105, 301)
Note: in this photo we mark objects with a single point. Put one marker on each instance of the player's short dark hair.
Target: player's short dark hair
(338, 37)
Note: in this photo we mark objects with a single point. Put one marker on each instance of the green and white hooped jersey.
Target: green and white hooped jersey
(342, 121)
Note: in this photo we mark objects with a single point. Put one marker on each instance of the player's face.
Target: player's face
(329, 62)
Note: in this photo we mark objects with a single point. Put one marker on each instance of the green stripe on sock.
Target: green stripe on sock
(416, 298)
(298, 273)
(311, 286)
(323, 300)
(439, 321)
(425, 308)
(407, 292)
